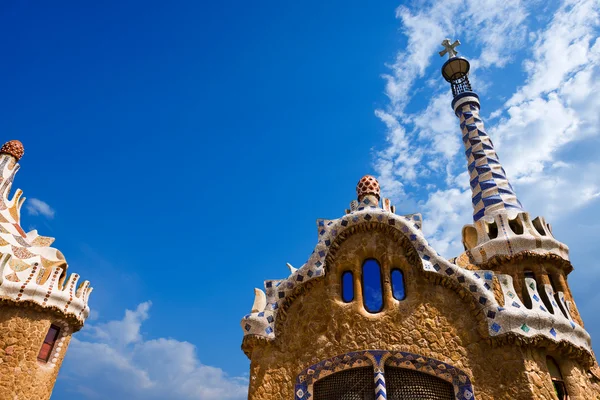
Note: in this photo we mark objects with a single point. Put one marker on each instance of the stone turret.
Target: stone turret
(40, 306)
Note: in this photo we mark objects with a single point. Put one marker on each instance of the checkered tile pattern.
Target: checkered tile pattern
(380, 390)
(492, 193)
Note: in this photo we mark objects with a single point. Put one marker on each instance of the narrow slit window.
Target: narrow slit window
(398, 284)
(48, 345)
(557, 379)
(372, 286)
(347, 286)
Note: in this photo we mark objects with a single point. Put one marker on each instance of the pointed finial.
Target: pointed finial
(291, 268)
(260, 301)
(13, 148)
(449, 49)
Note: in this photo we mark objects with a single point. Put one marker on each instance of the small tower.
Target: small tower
(40, 308)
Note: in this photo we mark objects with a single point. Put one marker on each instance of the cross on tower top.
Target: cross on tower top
(450, 49)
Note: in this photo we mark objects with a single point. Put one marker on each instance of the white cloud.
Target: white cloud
(446, 211)
(536, 132)
(496, 26)
(39, 207)
(556, 108)
(113, 359)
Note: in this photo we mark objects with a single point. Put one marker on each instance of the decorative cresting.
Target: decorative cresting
(31, 270)
(378, 359)
(507, 320)
(504, 235)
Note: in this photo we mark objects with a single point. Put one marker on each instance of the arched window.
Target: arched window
(347, 286)
(398, 284)
(372, 286)
(557, 379)
(351, 384)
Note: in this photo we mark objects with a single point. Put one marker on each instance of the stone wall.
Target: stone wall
(22, 332)
(432, 321)
(579, 384)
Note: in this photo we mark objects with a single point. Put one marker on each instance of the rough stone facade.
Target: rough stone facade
(22, 332)
(433, 321)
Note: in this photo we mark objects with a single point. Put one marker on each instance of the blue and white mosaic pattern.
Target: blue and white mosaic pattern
(491, 191)
(463, 389)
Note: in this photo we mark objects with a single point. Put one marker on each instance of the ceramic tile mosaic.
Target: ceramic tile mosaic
(491, 191)
(379, 359)
(30, 269)
(501, 320)
(516, 232)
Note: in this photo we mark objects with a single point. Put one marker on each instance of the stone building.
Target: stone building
(40, 308)
(497, 322)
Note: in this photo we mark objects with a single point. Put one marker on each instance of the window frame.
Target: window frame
(351, 288)
(557, 378)
(49, 344)
(402, 283)
(363, 286)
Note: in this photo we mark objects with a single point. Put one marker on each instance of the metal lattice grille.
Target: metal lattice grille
(351, 384)
(406, 384)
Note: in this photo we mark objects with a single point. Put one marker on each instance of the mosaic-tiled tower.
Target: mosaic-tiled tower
(40, 307)
(377, 313)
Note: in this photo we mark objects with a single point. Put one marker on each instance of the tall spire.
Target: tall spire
(491, 192)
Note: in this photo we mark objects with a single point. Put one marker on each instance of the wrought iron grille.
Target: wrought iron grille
(406, 384)
(460, 85)
(351, 384)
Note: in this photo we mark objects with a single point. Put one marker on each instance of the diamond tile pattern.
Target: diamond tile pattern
(491, 191)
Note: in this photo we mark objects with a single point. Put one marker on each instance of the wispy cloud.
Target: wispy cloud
(536, 130)
(414, 139)
(39, 207)
(114, 357)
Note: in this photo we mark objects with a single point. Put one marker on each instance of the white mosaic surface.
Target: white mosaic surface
(31, 270)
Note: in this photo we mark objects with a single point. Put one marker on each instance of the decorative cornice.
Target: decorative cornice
(525, 255)
(500, 319)
(507, 235)
(59, 296)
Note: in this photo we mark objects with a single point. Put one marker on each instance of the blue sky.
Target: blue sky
(181, 153)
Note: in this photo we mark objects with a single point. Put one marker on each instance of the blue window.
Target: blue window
(398, 284)
(372, 293)
(347, 286)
